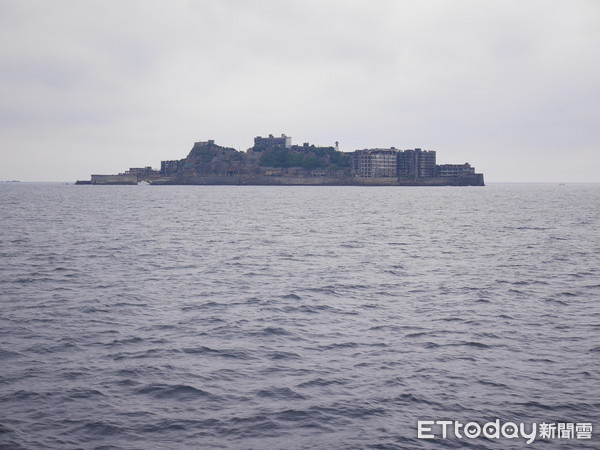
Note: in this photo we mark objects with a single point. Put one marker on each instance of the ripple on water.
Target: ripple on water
(264, 317)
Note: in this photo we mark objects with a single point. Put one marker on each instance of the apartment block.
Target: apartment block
(271, 143)
(375, 163)
(416, 163)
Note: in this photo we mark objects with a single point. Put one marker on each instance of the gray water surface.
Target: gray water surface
(295, 317)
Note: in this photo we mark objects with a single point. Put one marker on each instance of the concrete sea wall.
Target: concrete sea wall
(114, 179)
(474, 180)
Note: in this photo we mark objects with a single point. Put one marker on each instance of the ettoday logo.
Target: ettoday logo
(441, 429)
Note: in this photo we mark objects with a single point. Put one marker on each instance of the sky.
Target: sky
(510, 86)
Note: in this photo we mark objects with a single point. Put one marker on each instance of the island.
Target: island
(273, 160)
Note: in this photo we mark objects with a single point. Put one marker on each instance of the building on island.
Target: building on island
(384, 163)
(142, 172)
(170, 167)
(455, 170)
(272, 143)
(375, 163)
(416, 163)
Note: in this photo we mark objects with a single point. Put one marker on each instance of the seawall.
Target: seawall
(114, 179)
(474, 180)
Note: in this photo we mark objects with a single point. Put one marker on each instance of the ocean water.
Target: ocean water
(146, 317)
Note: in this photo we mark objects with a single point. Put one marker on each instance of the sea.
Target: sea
(307, 317)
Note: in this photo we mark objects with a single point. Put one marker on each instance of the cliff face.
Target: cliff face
(207, 158)
(211, 160)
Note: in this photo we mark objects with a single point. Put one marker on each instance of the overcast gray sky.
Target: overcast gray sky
(511, 86)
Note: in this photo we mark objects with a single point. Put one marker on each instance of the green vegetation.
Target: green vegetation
(309, 158)
(237, 156)
(306, 157)
(206, 153)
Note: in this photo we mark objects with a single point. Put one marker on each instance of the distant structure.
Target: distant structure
(170, 167)
(275, 161)
(384, 163)
(208, 143)
(414, 164)
(375, 163)
(272, 143)
(455, 170)
(142, 172)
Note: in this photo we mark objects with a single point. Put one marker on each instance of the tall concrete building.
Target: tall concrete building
(416, 163)
(383, 163)
(375, 163)
(170, 167)
(272, 143)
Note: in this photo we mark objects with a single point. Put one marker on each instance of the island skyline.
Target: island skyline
(274, 160)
